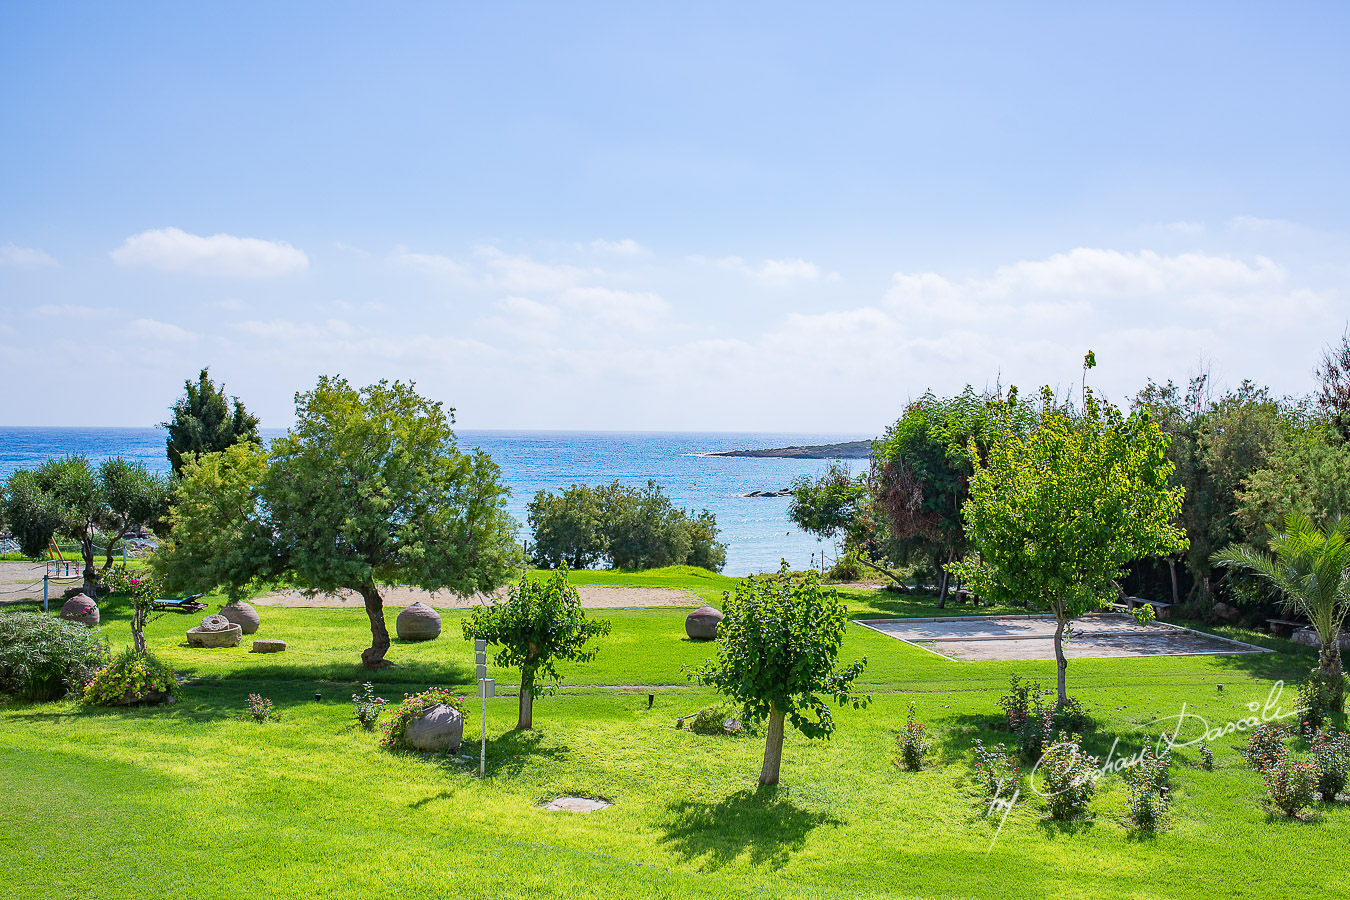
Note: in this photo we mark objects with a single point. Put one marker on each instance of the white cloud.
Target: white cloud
(24, 257)
(174, 250)
(625, 247)
(520, 273)
(155, 332)
(430, 264)
(633, 310)
(777, 273)
(1186, 229)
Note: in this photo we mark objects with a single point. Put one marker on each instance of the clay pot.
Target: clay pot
(243, 615)
(418, 622)
(701, 624)
(80, 609)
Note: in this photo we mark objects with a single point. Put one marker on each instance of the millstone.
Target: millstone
(214, 623)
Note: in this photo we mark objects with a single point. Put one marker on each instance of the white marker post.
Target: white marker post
(487, 687)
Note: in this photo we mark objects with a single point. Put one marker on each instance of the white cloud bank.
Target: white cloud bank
(24, 257)
(175, 250)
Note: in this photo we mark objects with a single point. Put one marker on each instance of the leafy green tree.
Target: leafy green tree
(1310, 567)
(95, 506)
(204, 420)
(540, 624)
(777, 656)
(1333, 390)
(566, 528)
(1307, 472)
(1055, 515)
(368, 488)
(628, 527)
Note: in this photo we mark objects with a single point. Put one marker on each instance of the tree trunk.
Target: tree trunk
(773, 749)
(1176, 590)
(1061, 663)
(525, 718)
(373, 658)
(1329, 662)
(90, 587)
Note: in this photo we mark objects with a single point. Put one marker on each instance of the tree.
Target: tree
(777, 652)
(1306, 472)
(566, 528)
(94, 506)
(368, 488)
(1310, 567)
(627, 527)
(1055, 515)
(204, 420)
(1333, 393)
(540, 624)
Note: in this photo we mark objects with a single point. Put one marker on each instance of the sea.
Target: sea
(756, 530)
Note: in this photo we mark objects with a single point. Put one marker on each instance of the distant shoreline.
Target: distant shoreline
(844, 450)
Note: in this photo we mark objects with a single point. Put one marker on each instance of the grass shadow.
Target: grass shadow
(762, 824)
(508, 754)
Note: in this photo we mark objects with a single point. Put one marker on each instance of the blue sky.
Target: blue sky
(748, 216)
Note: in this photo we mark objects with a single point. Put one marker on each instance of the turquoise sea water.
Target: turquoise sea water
(756, 530)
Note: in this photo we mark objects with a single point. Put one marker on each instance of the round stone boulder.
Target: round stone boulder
(418, 622)
(439, 728)
(229, 637)
(269, 646)
(701, 624)
(243, 615)
(80, 609)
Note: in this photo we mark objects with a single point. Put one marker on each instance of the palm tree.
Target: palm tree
(1311, 568)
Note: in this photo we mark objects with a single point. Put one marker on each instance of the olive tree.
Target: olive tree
(1056, 514)
(368, 488)
(95, 506)
(777, 656)
(541, 623)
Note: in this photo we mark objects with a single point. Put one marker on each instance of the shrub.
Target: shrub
(131, 679)
(368, 706)
(1292, 784)
(718, 719)
(846, 568)
(410, 710)
(913, 742)
(1266, 746)
(997, 768)
(1206, 757)
(1331, 753)
(260, 710)
(1070, 778)
(1030, 719)
(43, 658)
(1146, 785)
(1317, 700)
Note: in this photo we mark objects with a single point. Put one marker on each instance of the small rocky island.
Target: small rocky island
(845, 450)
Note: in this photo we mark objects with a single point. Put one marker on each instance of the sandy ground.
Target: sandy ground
(1032, 637)
(592, 597)
(23, 581)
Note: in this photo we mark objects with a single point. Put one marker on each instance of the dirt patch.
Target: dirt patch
(23, 581)
(592, 597)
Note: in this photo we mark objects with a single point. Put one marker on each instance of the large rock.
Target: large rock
(418, 622)
(1225, 611)
(80, 609)
(440, 728)
(701, 624)
(230, 637)
(243, 615)
(1305, 636)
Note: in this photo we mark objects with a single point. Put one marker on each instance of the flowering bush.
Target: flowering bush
(260, 710)
(1070, 778)
(1331, 753)
(997, 768)
(132, 678)
(368, 706)
(410, 710)
(1030, 718)
(1206, 757)
(1266, 746)
(1292, 784)
(914, 743)
(1317, 700)
(720, 719)
(1146, 785)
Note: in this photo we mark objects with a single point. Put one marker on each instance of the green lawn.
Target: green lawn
(188, 801)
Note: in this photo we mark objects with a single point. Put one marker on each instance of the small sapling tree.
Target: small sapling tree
(541, 623)
(777, 654)
(1055, 515)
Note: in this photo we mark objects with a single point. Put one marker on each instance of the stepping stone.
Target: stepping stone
(576, 804)
(268, 646)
